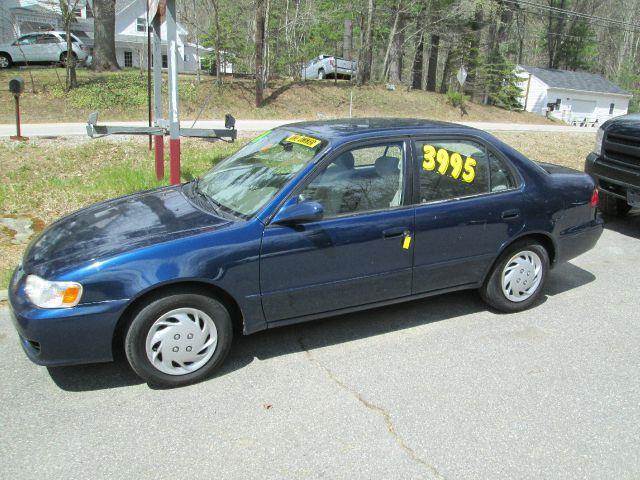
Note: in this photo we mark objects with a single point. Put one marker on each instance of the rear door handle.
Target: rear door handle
(510, 214)
(395, 232)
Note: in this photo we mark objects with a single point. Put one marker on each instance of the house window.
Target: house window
(141, 24)
(165, 61)
(128, 59)
(611, 107)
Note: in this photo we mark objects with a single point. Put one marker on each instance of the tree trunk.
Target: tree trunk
(259, 41)
(70, 64)
(475, 35)
(416, 70)
(555, 29)
(397, 49)
(347, 40)
(446, 72)
(104, 36)
(364, 70)
(217, 41)
(433, 63)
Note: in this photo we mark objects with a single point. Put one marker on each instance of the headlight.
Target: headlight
(45, 294)
(599, 138)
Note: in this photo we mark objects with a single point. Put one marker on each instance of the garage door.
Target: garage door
(583, 107)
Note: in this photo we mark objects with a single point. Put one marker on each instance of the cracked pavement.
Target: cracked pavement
(437, 388)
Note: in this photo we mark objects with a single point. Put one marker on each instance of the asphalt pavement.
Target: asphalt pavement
(438, 388)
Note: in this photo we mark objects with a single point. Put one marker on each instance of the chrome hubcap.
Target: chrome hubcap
(181, 341)
(4, 63)
(521, 276)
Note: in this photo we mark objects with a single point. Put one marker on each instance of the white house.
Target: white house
(573, 97)
(18, 17)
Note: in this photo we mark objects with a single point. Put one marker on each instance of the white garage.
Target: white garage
(578, 98)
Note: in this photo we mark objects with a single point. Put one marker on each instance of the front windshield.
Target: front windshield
(247, 180)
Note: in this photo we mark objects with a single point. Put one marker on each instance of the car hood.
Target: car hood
(115, 226)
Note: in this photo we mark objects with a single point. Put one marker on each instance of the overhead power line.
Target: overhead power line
(593, 19)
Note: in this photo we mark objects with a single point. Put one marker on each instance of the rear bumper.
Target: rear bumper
(578, 241)
(611, 179)
(64, 336)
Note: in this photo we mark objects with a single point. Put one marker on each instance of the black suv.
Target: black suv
(615, 164)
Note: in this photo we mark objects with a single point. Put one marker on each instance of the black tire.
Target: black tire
(491, 291)
(7, 62)
(63, 59)
(321, 75)
(135, 339)
(612, 206)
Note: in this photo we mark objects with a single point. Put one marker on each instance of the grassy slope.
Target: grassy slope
(122, 96)
(46, 179)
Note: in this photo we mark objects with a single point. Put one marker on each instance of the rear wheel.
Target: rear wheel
(614, 206)
(517, 279)
(179, 339)
(5, 60)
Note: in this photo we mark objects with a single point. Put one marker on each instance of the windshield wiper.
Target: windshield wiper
(210, 201)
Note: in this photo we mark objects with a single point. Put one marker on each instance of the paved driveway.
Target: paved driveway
(253, 126)
(440, 388)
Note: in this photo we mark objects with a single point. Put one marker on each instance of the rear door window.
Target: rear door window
(451, 168)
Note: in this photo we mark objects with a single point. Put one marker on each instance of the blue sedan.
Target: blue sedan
(308, 220)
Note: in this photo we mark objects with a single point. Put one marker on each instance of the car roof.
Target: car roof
(40, 32)
(342, 130)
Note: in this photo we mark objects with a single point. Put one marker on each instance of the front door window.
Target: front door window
(360, 180)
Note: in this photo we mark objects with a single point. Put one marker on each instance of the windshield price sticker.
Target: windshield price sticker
(303, 140)
(440, 160)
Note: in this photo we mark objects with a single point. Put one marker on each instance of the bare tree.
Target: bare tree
(104, 35)
(366, 51)
(259, 41)
(67, 10)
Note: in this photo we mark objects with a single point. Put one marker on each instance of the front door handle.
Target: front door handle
(395, 232)
(510, 214)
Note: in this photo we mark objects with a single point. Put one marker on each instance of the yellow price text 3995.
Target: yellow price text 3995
(443, 161)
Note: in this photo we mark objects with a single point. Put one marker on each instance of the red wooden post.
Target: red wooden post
(174, 160)
(159, 152)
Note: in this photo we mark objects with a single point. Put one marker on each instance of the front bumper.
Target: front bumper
(63, 336)
(611, 179)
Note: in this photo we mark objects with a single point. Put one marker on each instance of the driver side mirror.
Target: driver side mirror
(303, 212)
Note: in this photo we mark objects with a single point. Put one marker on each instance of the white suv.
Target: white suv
(41, 47)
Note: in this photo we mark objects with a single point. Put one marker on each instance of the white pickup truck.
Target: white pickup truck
(327, 66)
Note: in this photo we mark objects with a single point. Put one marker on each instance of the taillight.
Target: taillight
(595, 197)
(331, 62)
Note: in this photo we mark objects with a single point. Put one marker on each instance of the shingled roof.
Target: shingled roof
(582, 81)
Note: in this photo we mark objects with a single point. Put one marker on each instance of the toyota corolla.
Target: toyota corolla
(308, 220)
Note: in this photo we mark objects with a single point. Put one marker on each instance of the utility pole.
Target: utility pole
(174, 121)
(157, 93)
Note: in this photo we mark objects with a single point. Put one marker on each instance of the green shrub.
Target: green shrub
(457, 99)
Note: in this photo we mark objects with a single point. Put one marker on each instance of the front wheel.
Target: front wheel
(321, 74)
(63, 59)
(179, 339)
(517, 279)
(5, 61)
